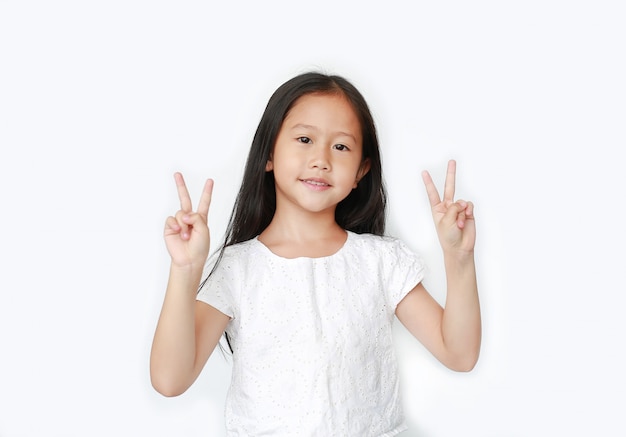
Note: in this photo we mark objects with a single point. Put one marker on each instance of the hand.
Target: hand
(454, 221)
(187, 234)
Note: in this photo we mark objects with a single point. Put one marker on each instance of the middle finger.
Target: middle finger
(448, 190)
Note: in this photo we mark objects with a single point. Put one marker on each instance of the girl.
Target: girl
(306, 286)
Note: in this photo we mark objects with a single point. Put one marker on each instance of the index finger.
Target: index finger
(205, 199)
(183, 194)
(431, 190)
(448, 189)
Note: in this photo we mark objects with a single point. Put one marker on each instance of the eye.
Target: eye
(341, 147)
(304, 140)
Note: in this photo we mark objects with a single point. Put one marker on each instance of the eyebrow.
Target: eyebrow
(315, 128)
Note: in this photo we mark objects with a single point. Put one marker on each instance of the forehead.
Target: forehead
(325, 111)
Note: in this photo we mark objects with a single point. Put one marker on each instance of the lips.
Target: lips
(316, 183)
(319, 182)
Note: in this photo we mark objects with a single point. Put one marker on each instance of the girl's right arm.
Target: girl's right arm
(187, 331)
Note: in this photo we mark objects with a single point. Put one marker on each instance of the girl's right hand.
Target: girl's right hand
(187, 233)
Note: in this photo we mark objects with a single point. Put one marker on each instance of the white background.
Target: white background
(102, 101)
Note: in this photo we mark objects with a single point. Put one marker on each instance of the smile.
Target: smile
(315, 184)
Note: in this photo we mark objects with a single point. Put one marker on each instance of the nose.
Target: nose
(320, 158)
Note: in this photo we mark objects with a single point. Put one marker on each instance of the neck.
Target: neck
(302, 226)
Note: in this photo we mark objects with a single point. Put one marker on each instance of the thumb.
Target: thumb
(194, 220)
(455, 214)
(452, 213)
(197, 230)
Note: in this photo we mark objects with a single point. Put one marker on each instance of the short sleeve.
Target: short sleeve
(403, 270)
(217, 288)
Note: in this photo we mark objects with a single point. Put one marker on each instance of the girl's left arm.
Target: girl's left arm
(453, 333)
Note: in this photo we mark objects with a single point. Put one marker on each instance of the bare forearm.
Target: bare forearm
(174, 347)
(461, 323)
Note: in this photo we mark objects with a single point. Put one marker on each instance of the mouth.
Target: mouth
(316, 184)
(315, 181)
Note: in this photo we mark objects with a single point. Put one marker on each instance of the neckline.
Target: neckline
(349, 236)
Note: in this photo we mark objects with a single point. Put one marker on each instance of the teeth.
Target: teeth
(315, 182)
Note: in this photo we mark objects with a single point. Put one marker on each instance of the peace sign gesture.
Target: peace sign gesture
(187, 233)
(454, 220)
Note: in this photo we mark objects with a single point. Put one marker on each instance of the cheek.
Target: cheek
(349, 175)
(355, 169)
(283, 167)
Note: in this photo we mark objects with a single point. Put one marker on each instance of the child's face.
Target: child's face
(317, 156)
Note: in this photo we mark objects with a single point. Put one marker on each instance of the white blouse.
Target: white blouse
(311, 337)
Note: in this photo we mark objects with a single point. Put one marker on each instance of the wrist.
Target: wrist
(459, 258)
(186, 270)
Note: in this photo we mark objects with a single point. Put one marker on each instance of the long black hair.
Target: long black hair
(363, 211)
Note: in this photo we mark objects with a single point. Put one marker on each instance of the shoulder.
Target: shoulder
(231, 256)
(377, 242)
(397, 267)
(386, 249)
(226, 267)
(240, 252)
(239, 249)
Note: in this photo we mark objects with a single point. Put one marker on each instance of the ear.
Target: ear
(365, 167)
(269, 166)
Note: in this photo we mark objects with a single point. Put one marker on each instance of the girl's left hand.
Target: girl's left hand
(454, 220)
